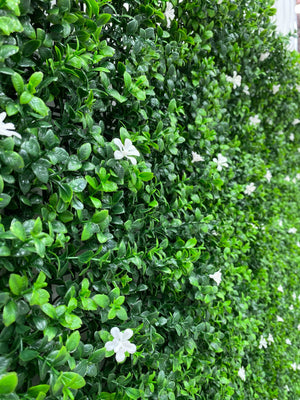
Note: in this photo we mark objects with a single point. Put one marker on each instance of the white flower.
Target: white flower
(7, 129)
(298, 327)
(275, 88)
(294, 180)
(294, 366)
(294, 296)
(250, 189)
(280, 133)
(236, 79)
(221, 162)
(169, 13)
(262, 343)
(292, 137)
(296, 121)
(246, 90)
(217, 277)
(298, 175)
(279, 319)
(268, 175)
(291, 307)
(254, 120)
(287, 178)
(270, 338)
(280, 223)
(196, 157)
(298, 244)
(128, 150)
(280, 288)
(287, 341)
(220, 1)
(120, 344)
(298, 149)
(242, 373)
(287, 388)
(264, 56)
(298, 88)
(292, 230)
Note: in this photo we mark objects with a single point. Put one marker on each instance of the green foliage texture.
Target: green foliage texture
(89, 242)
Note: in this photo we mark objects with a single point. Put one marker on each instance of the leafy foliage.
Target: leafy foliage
(89, 242)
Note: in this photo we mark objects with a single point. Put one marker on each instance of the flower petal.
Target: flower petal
(115, 332)
(130, 347)
(127, 334)
(132, 151)
(118, 155)
(118, 143)
(133, 160)
(120, 356)
(2, 116)
(109, 346)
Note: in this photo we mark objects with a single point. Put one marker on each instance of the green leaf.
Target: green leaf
(78, 185)
(35, 390)
(109, 186)
(127, 80)
(8, 383)
(96, 202)
(26, 97)
(1, 184)
(97, 355)
(4, 200)
(28, 355)
(13, 5)
(133, 393)
(35, 79)
(49, 309)
(146, 176)
(8, 50)
(17, 284)
(132, 27)
(100, 216)
(13, 160)
(103, 19)
(10, 24)
(122, 314)
(18, 230)
(73, 341)
(39, 297)
(30, 47)
(88, 230)
(72, 380)
(191, 243)
(65, 192)
(4, 251)
(72, 321)
(84, 151)
(39, 106)
(9, 314)
(101, 300)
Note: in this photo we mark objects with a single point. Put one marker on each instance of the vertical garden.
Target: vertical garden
(149, 201)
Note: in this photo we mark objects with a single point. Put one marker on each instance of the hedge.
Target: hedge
(149, 206)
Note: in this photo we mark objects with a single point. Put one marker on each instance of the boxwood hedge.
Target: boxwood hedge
(149, 201)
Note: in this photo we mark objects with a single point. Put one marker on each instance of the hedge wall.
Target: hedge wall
(149, 201)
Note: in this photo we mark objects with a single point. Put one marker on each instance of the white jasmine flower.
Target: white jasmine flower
(242, 373)
(275, 88)
(298, 367)
(279, 319)
(246, 90)
(250, 189)
(280, 133)
(298, 88)
(7, 129)
(196, 157)
(298, 244)
(298, 327)
(214, 233)
(221, 162)
(294, 296)
(268, 175)
(294, 180)
(296, 121)
(270, 338)
(292, 230)
(287, 341)
(169, 13)
(126, 6)
(291, 307)
(280, 223)
(262, 343)
(254, 120)
(220, 1)
(236, 79)
(298, 176)
(120, 344)
(287, 388)
(294, 366)
(264, 56)
(292, 137)
(287, 178)
(217, 277)
(280, 288)
(127, 150)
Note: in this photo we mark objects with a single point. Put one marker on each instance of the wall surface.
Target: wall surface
(286, 19)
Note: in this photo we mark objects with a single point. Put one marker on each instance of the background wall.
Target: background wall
(286, 19)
